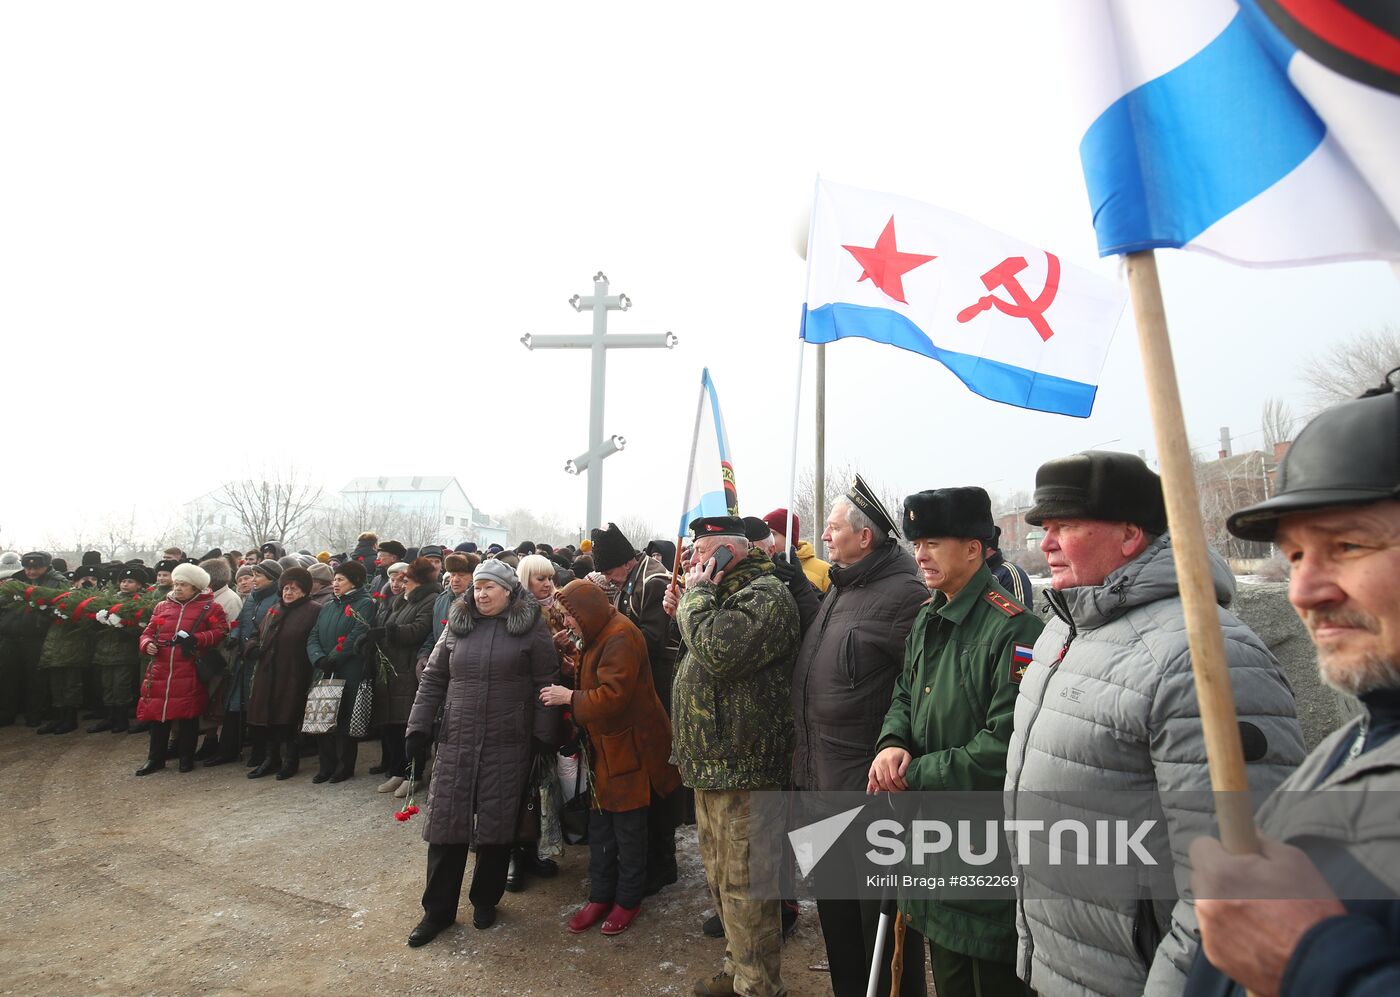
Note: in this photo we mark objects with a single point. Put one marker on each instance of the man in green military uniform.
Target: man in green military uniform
(67, 651)
(22, 631)
(948, 725)
(732, 734)
(116, 653)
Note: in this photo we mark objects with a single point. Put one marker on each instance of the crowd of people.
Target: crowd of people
(766, 668)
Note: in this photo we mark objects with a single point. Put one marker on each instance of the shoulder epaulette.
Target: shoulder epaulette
(1004, 604)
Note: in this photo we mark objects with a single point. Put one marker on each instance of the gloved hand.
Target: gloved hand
(375, 633)
(325, 667)
(189, 644)
(415, 742)
(786, 572)
(362, 643)
(392, 632)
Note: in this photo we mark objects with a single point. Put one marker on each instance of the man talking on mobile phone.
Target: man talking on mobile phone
(732, 734)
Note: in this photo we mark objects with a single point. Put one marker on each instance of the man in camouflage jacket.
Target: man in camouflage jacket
(732, 734)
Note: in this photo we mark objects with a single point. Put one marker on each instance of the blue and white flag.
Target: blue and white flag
(1266, 133)
(1013, 322)
(709, 484)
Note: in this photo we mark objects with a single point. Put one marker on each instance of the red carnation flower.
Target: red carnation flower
(410, 810)
(349, 612)
(401, 815)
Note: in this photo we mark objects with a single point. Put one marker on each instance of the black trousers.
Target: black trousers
(447, 866)
(849, 926)
(617, 856)
(663, 817)
(186, 734)
(337, 753)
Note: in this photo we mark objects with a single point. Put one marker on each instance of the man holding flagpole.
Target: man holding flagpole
(1316, 912)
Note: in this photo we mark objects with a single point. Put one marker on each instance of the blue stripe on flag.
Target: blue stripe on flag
(1170, 158)
(1001, 382)
(711, 504)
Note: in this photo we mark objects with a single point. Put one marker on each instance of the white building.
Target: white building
(437, 506)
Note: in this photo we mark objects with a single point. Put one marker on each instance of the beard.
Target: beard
(1372, 673)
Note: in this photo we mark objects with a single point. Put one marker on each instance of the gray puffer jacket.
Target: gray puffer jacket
(1109, 705)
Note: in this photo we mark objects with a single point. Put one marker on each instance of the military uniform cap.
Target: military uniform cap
(862, 496)
(717, 526)
(1347, 455)
(166, 565)
(36, 559)
(949, 512)
(134, 572)
(1105, 485)
(86, 571)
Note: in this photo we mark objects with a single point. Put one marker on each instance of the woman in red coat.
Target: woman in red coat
(630, 740)
(186, 624)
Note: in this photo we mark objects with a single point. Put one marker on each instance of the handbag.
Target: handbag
(362, 708)
(322, 706)
(210, 664)
(573, 815)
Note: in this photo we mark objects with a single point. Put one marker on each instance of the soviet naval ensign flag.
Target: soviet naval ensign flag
(1014, 322)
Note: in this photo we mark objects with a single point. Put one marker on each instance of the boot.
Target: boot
(515, 873)
(120, 723)
(258, 739)
(347, 748)
(325, 750)
(230, 742)
(139, 728)
(67, 720)
(188, 739)
(95, 714)
(50, 726)
(291, 760)
(209, 747)
(155, 757)
(270, 764)
(106, 723)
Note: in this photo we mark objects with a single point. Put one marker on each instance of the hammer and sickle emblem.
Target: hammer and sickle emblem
(1021, 305)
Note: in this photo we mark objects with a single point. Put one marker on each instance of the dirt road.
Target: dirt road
(213, 883)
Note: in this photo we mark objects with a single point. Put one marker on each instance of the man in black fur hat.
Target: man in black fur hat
(970, 644)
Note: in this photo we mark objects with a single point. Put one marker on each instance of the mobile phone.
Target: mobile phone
(722, 556)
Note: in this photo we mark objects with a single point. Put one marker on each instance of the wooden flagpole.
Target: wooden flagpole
(1217, 701)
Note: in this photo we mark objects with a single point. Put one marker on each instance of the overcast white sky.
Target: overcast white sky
(313, 234)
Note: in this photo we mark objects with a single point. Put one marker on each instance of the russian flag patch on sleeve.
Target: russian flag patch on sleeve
(1021, 657)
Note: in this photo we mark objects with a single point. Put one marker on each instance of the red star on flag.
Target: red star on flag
(885, 265)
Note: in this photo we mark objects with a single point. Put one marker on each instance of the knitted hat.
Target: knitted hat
(299, 577)
(244, 572)
(353, 572)
(322, 573)
(498, 572)
(586, 546)
(269, 569)
(191, 574)
(777, 522)
(324, 557)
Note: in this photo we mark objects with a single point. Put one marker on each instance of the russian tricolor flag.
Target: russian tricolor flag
(1266, 132)
(1013, 322)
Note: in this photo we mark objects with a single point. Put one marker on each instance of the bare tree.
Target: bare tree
(1277, 423)
(1354, 366)
(118, 534)
(278, 505)
(526, 524)
(838, 479)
